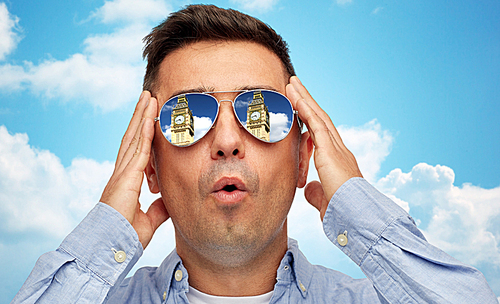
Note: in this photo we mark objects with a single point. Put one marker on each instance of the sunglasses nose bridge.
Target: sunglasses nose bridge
(233, 110)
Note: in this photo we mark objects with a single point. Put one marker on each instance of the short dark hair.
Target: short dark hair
(197, 23)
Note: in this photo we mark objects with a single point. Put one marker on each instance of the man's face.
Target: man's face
(228, 194)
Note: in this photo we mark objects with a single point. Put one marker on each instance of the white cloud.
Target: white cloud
(9, 31)
(201, 126)
(377, 10)
(256, 5)
(12, 77)
(132, 11)
(124, 43)
(38, 194)
(107, 73)
(279, 124)
(369, 144)
(463, 221)
(168, 133)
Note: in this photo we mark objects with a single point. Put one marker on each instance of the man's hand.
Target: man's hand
(334, 162)
(124, 187)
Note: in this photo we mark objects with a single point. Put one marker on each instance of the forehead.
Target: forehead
(220, 66)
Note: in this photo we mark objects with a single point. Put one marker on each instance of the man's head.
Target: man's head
(228, 194)
(207, 23)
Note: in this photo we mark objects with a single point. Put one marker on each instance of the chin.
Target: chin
(233, 245)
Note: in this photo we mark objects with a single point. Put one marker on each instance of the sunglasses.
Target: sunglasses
(267, 115)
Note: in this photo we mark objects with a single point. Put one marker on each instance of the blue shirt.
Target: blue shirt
(401, 267)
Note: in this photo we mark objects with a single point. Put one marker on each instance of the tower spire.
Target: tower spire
(258, 117)
(182, 126)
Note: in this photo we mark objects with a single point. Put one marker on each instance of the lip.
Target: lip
(229, 197)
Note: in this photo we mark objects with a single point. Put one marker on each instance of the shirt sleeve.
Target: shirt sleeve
(93, 258)
(384, 241)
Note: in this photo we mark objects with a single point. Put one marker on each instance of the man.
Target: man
(228, 188)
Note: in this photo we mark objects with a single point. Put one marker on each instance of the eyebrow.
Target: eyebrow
(203, 89)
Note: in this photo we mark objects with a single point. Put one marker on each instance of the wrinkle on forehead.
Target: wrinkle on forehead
(220, 66)
(211, 90)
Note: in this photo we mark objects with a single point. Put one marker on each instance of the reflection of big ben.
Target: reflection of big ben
(258, 117)
(182, 123)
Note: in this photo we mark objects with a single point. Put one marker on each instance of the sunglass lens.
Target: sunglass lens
(185, 119)
(267, 115)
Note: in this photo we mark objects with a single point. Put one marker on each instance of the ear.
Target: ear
(151, 176)
(305, 151)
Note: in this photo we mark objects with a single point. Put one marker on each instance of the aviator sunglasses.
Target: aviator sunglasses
(267, 115)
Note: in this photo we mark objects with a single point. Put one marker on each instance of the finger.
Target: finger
(133, 126)
(141, 155)
(333, 161)
(157, 213)
(125, 192)
(148, 113)
(315, 195)
(301, 89)
(129, 181)
(304, 93)
(318, 130)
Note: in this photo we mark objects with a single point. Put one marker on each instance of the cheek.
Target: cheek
(278, 167)
(178, 170)
(279, 176)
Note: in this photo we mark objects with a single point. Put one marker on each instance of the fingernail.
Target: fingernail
(293, 89)
(295, 85)
(142, 95)
(298, 80)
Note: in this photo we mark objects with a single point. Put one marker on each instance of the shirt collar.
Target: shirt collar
(165, 272)
(301, 267)
(294, 268)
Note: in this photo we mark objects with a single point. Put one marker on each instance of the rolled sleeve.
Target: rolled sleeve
(93, 258)
(362, 213)
(97, 239)
(384, 241)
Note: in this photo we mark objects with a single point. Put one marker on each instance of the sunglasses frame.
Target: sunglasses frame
(241, 92)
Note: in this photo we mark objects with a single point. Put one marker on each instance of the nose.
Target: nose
(228, 138)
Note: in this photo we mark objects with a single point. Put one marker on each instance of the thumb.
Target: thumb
(157, 213)
(315, 195)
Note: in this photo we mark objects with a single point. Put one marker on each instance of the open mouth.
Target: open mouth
(229, 184)
(229, 188)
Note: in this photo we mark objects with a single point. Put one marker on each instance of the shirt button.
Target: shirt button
(342, 239)
(120, 256)
(178, 275)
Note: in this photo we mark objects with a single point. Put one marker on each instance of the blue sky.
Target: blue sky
(412, 85)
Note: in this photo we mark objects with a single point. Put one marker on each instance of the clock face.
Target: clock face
(179, 119)
(255, 115)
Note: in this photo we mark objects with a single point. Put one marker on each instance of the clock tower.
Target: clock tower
(258, 117)
(182, 126)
